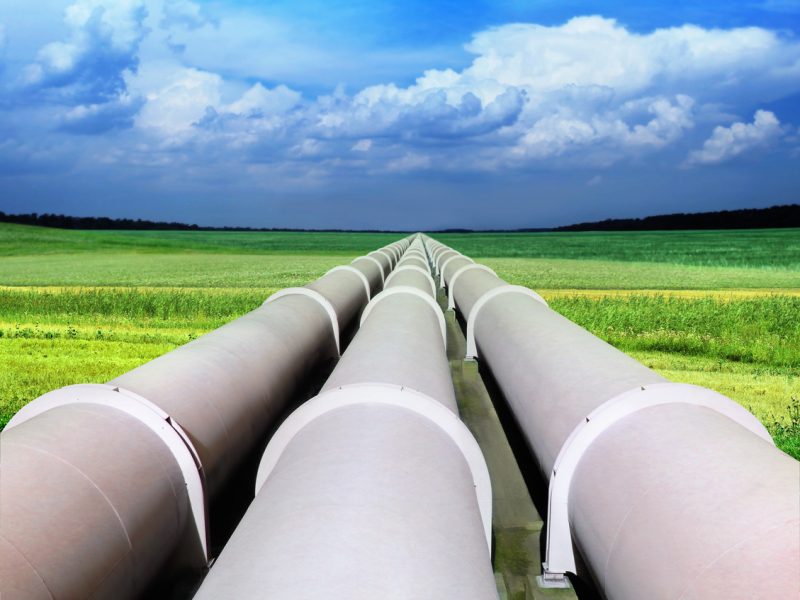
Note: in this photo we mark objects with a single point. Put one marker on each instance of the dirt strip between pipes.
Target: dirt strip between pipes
(517, 527)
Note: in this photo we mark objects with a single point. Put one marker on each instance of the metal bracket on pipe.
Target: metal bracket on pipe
(394, 395)
(451, 300)
(152, 417)
(413, 268)
(472, 348)
(444, 266)
(361, 276)
(414, 259)
(437, 254)
(435, 258)
(317, 297)
(440, 265)
(396, 252)
(376, 261)
(387, 254)
(407, 289)
(559, 558)
(415, 252)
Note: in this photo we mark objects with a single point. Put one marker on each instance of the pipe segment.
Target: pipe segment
(679, 497)
(373, 489)
(372, 269)
(450, 266)
(441, 258)
(414, 276)
(103, 485)
(414, 260)
(386, 259)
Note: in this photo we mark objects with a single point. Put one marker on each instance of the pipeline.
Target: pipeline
(375, 488)
(667, 490)
(103, 485)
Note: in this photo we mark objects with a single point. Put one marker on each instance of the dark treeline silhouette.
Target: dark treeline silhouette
(67, 222)
(787, 215)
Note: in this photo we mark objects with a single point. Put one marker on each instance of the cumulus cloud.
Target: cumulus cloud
(185, 13)
(728, 142)
(260, 101)
(93, 119)
(587, 92)
(102, 46)
(174, 108)
(532, 93)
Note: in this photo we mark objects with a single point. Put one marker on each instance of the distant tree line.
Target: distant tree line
(67, 222)
(787, 215)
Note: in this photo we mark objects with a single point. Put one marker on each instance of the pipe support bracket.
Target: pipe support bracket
(393, 395)
(317, 297)
(376, 261)
(413, 268)
(152, 417)
(472, 347)
(559, 557)
(358, 273)
(451, 300)
(407, 289)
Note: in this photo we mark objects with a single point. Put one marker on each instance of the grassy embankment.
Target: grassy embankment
(86, 306)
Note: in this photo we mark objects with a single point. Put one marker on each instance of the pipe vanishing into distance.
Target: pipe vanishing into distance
(102, 485)
(375, 488)
(668, 490)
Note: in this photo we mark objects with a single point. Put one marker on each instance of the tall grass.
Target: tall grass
(763, 330)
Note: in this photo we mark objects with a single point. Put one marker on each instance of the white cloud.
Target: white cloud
(175, 107)
(186, 13)
(588, 92)
(362, 145)
(727, 142)
(103, 41)
(259, 101)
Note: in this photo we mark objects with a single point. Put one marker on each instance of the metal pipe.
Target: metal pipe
(667, 490)
(373, 489)
(102, 484)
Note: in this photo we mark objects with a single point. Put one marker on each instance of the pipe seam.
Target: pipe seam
(472, 348)
(451, 300)
(394, 395)
(405, 289)
(413, 268)
(376, 261)
(442, 282)
(151, 416)
(317, 297)
(358, 273)
(560, 558)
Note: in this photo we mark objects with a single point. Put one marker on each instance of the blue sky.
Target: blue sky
(411, 115)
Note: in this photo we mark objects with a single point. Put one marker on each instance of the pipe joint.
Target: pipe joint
(451, 299)
(155, 419)
(376, 261)
(472, 347)
(405, 289)
(442, 282)
(560, 558)
(317, 297)
(358, 273)
(402, 268)
(393, 395)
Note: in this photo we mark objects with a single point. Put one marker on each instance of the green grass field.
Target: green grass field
(718, 309)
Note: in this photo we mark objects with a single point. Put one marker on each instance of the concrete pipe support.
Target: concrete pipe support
(102, 485)
(668, 490)
(373, 489)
